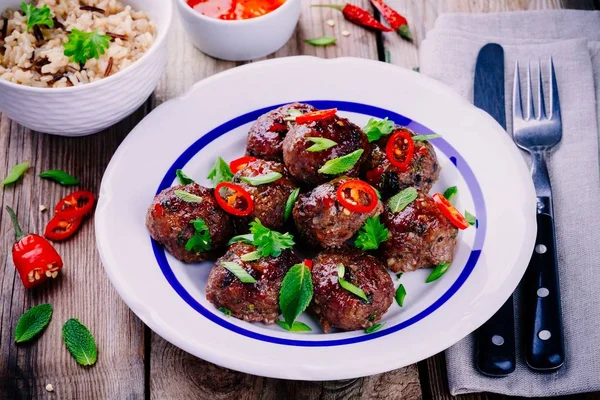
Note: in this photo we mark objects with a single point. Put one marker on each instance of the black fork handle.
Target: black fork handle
(495, 347)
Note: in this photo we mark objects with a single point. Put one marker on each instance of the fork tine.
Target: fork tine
(554, 101)
(517, 103)
(541, 105)
(530, 110)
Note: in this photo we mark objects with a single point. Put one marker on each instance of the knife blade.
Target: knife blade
(494, 340)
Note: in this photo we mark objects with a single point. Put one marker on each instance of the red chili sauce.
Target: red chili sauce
(234, 9)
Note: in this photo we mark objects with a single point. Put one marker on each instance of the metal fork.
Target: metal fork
(537, 134)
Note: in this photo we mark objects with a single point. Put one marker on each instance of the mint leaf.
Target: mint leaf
(438, 271)
(374, 328)
(239, 272)
(341, 164)
(262, 179)
(372, 234)
(400, 295)
(269, 242)
(220, 172)
(83, 46)
(188, 197)
(399, 202)
(375, 129)
(471, 219)
(15, 173)
(320, 144)
(32, 322)
(296, 292)
(80, 342)
(297, 326)
(37, 16)
(289, 204)
(201, 240)
(450, 193)
(183, 178)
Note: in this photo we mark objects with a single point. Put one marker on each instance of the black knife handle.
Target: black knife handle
(495, 347)
(545, 341)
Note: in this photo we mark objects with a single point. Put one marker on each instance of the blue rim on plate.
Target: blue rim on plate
(372, 111)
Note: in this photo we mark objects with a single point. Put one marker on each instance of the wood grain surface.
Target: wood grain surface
(135, 363)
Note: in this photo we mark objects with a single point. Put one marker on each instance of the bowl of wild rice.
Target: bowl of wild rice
(76, 67)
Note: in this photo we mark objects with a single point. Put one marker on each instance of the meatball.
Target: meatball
(420, 236)
(252, 302)
(423, 170)
(269, 199)
(337, 307)
(169, 221)
(322, 221)
(266, 134)
(304, 165)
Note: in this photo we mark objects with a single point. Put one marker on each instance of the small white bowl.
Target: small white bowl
(240, 40)
(90, 108)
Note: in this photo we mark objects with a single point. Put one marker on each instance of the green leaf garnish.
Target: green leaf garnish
(296, 293)
(32, 322)
(183, 178)
(225, 311)
(450, 193)
(471, 219)
(399, 202)
(252, 256)
(372, 234)
(374, 328)
(269, 242)
(187, 197)
(422, 138)
(261, 179)
(320, 144)
(247, 238)
(220, 172)
(239, 272)
(321, 41)
(400, 295)
(15, 173)
(200, 241)
(80, 342)
(289, 204)
(83, 46)
(375, 129)
(60, 176)
(355, 290)
(341, 164)
(297, 326)
(37, 16)
(438, 271)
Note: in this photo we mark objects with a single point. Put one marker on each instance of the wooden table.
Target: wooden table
(134, 362)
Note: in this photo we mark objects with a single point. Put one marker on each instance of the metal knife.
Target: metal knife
(495, 340)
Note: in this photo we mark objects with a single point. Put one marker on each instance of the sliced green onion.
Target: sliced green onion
(422, 138)
(437, 273)
(261, 179)
(293, 113)
(471, 219)
(289, 204)
(238, 271)
(320, 144)
(252, 256)
(225, 311)
(399, 202)
(374, 328)
(60, 176)
(400, 295)
(248, 238)
(341, 270)
(188, 197)
(15, 173)
(297, 326)
(450, 193)
(321, 41)
(355, 290)
(399, 275)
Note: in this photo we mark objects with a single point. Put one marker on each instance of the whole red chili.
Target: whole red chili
(358, 16)
(396, 21)
(34, 257)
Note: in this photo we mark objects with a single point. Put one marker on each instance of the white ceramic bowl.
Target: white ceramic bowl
(86, 109)
(244, 39)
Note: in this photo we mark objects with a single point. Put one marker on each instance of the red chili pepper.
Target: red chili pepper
(34, 257)
(76, 205)
(450, 212)
(240, 163)
(358, 16)
(396, 21)
(308, 263)
(351, 195)
(60, 228)
(400, 149)
(315, 116)
(230, 203)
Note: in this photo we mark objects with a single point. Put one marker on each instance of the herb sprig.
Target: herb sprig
(37, 16)
(375, 129)
(220, 172)
(372, 234)
(269, 243)
(83, 46)
(201, 240)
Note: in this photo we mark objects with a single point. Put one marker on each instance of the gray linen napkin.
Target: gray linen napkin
(572, 38)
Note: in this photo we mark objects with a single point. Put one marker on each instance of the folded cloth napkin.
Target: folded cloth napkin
(572, 38)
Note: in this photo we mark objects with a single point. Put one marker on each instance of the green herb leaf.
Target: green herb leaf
(200, 241)
(15, 173)
(400, 295)
(401, 200)
(225, 311)
(341, 164)
(238, 271)
(183, 178)
(187, 197)
(220, 172)
(83, 46)
(422, 138)
(296, 292)
(471, 219)
(60, 176)
(438, 271)
(398, 276)
(321, 41)
(32, 322)
(248, 238)
(375, 129)
(80, 342)
(252, 256)
(269, 242)
(297, 326)
(262, 179)
(355, 290)
(320, 144)
(37, 16)
(372, 234)
(289, 204)
(374, 328)
(450, 193)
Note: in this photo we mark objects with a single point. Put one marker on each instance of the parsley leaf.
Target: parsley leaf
(471, 219)
(220, 172)
(297, 326)
(269, 242)
(32, 322)
(83, 46)
(200, 241)
(320, 144)
(375, 129)
(296, 293)
(400, 201)
(341, 164)
(80, 342)
(37, 16)
(450, 193)
(372, 234)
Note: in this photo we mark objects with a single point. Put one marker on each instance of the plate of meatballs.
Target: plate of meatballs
(316, 219)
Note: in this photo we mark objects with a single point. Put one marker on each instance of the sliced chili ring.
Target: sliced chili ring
(232, 203)
(400, 150)
(316, 116)
(240, 163)
(75, 205)
(351, 195)
(60, 228)
(450, 212)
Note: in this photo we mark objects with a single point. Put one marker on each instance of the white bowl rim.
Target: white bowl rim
(160, 38)
(190, 11)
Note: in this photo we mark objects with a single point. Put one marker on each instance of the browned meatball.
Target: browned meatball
(266, 135)
(337, 307)
(420, 236)
(269, 198)
(252, 302)
(322, 221)
(304, 165)
(423, 170)
(169, 221)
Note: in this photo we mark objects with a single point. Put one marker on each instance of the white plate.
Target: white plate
(213, 118)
